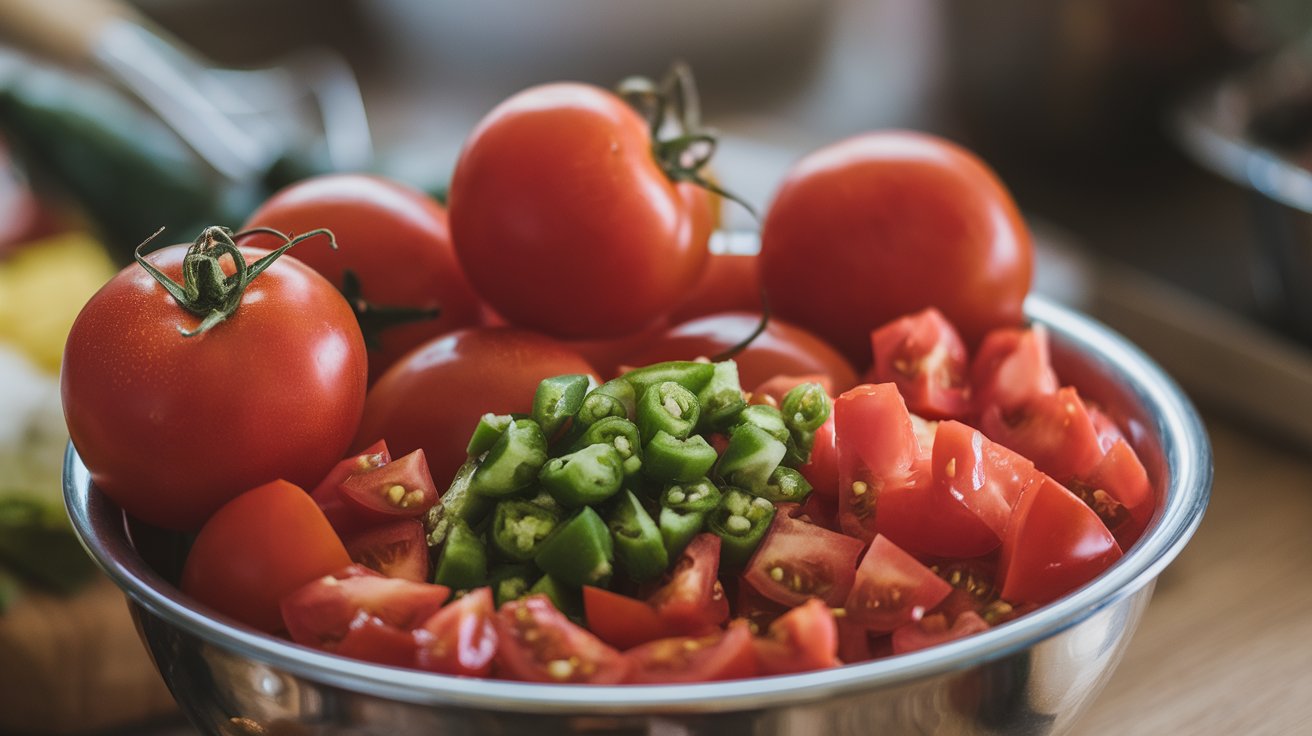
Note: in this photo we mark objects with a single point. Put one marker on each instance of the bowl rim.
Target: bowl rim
(1186, 452)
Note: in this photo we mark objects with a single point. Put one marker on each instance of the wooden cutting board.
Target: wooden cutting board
(75, 665)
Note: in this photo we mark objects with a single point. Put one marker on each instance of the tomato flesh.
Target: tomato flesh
(693, 601)
(876, 450)
(1053, 430)
(798, 560)
(328, 494)
(804, 639)
(619, 620)
(538, 644)
(723, 655)
(981, 475)
(402, 488)
(460, 639)
(396, 550)
(892, 588)
(924, 356)
(1011, 368)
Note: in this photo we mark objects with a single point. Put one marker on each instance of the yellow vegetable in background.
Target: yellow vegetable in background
(42, 289)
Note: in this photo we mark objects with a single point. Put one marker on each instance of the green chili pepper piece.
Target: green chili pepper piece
(699, 495)
(511, 582)
(740, 521)
(678, 528)
(565, 600)
(667, 407)
(668, 459)
(638, 543)
(489, 429)
(618, 433)
(518, 528)
(805, 407)
(692, 375)
(722, 399)
(786, 485)
(611, 399)
(752, 455)
(457, 503)
(557, 400)
(580, 552)
(764, 417)
(462, 563)
(513, 462)
(584, 477)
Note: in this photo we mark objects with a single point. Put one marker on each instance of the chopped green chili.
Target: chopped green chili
(752, 455)
(740, 521)
(611, 399)
(513, 462)
(692, 375)
(489, 429)
(557, 400)
(462, 564)
(722, 398)
(518, 528)
(639, 547)
(580, 552)
(667, 407)
(668, 459)
(587, 476)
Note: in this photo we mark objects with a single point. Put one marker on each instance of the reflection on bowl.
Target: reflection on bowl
(1036, 674)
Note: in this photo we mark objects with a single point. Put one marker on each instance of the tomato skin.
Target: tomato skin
(726, 655)
(619, 620)
(821, 470)
(693, 601)
(783, 349)
(925, 357)
(536, 640)
(328, 494)
(729, 283)
(933, 629)
(804, 639)
(557, 189)
(432, 398)
(256, 549)
(983, 476)
(812, 561)
(892, 588)
(460, 639)
(1053, 545)
(887, 223)
(393, 237)
(1011, 368)
(877, 452)
(1055, 431)
(171, 427)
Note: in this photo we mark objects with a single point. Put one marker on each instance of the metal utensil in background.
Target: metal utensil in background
(240, 122)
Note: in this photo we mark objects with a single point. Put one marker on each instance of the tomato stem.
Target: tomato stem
(743, 344)
(375, 318)
(205, 290)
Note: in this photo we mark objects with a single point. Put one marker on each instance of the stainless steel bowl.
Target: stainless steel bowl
(1033, 675)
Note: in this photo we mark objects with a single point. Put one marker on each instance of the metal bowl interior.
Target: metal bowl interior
(1160, 420)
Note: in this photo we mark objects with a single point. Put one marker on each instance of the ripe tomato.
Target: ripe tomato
(782, 349)
(538, 644)
(798, 560)
(460, 639)
(256, 549)
(394, 239)
(892, 588)
(821, 470)
(1053, 430)
(172, 427)
(619, 620)
(1054, 545)
(983, 476)
(401, 489)
(693, 601)
(883, 224)
(397, 550)
(877, 452)
(1121, 476)
(934, 629)
(328, 494)
(805, 638)
(557, 193)
(729, 283)
(357, 613)
(432, 399)
(723, 655)
(924, 356)
(1011, 368)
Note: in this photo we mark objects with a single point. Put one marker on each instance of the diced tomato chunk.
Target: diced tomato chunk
(924, 356)
(693, 601)
(402, 488)
(983, 476)
(619, 620)
(892, 588)
(1054, 431)
(877, 451)
(328, 494)
(804, 639)
(1011, 368)
(933, 629)
(536, 643)
(723, 655)
(396, 550)
(460, 639)
(798, 560)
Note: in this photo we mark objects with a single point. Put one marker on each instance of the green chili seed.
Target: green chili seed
(613, 398)
(511, 582)
(699, 495)
(513, 462)
(587, 476)
(639, 547)
(557, 400)
(667, 407)
(692, 375)
(740, 522)
(785, 485)
(722, 399)
(668, 459)
(518, 528)
(752, 455)
(580, 552)
(462, 563)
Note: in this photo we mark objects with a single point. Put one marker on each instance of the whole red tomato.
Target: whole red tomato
(565, 222)
(883, 224)
(432, 399)
(783, 349)
(172, 426)
(395, 241)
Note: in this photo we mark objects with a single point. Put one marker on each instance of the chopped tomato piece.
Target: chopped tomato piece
(1119, 491)
(402, 488)
(804, 639)
(328, 494)
(538, 644)
(1054, 545)
(1109, 433)
(933, 629)
(371, 639)
(759, 611)
(981, 475)
(931, 523)
(923, 355)
(798, 560)
(693, 601)
(877, 452)
(1054, 431)
(892, 588)
(460, 639)
(397, 550)
(1011, 368)
(723, 655)
(619, 620)
(853, 642)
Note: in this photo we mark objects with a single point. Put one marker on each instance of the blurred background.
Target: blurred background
(1160, 148)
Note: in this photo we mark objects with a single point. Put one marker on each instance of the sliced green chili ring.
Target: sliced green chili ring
(580, 552)
(511, 582)
(764, 417)
(458, 503)
(667, 407)
(692, 375)
(565, 600)
(722, 399)
(672, 460)
(639, 547)
(740, 521)
(699, 495)
(584, 477)
(542, 499)
(786, 485)
(678, 528)
(462, 564)
(799, 449)
(805, 407)
(752, 455)
(513, 462)
(489, 430)
(557, 400)
(518, 528)
(618, 433)
(611, 399)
